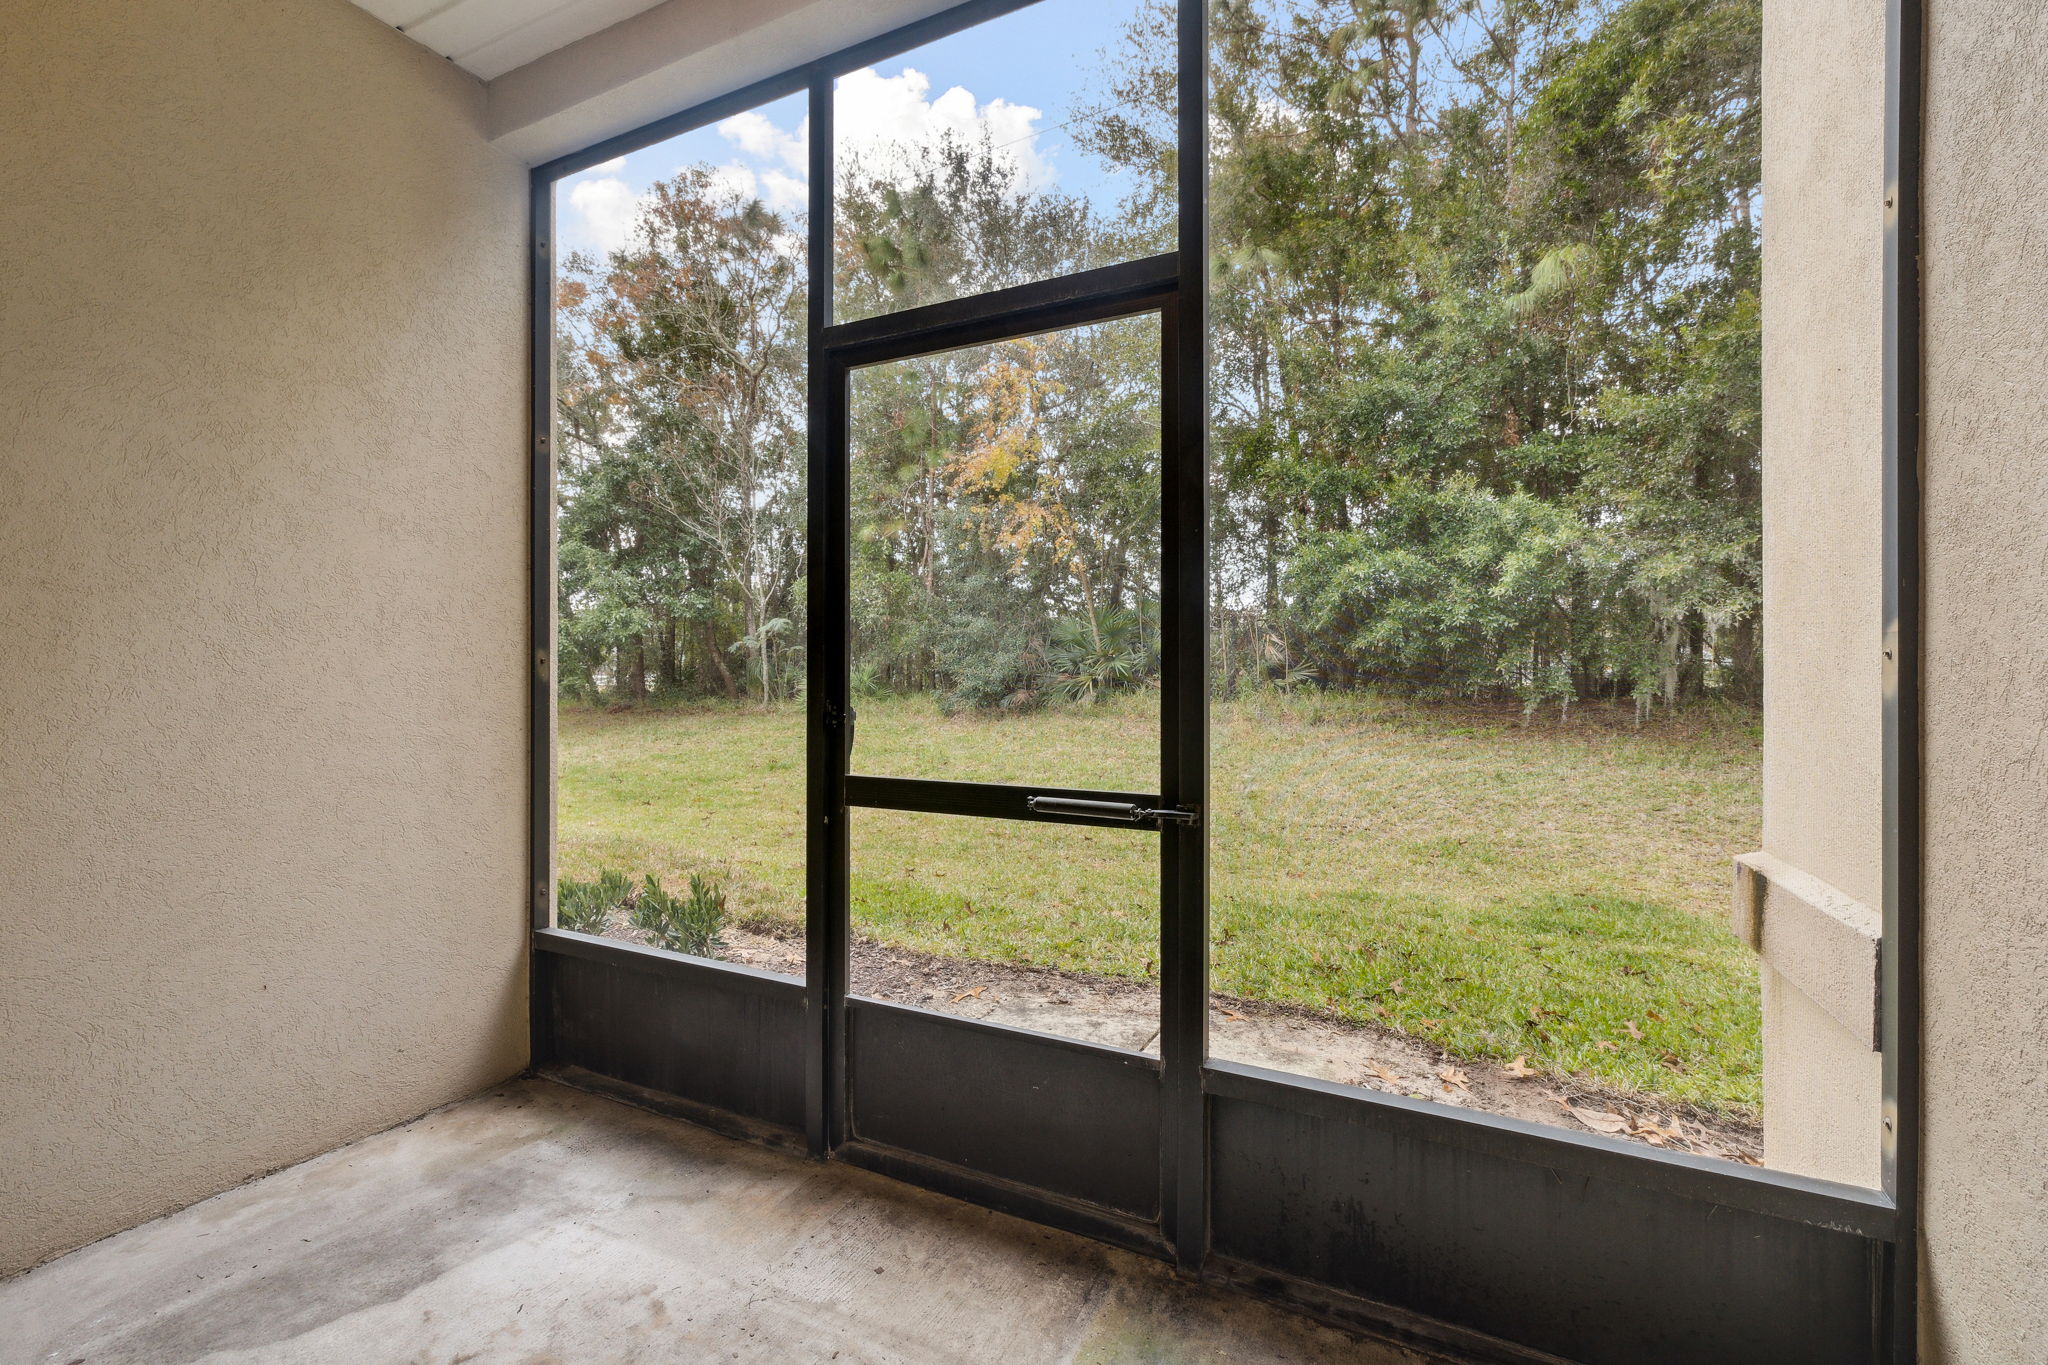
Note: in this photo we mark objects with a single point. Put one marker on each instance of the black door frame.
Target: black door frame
(1148, 286)
(1438, 1224)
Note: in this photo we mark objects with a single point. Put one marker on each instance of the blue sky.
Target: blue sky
(1020, 78)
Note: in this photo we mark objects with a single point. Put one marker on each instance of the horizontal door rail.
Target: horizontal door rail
(1774, 1194)
(1112, 291)
(995, 801)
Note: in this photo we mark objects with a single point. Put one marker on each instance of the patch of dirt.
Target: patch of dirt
(1125, 1013)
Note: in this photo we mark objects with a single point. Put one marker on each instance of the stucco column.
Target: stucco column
(1823, 311)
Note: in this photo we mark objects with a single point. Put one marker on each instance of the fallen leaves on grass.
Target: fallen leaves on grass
(1633, 1031)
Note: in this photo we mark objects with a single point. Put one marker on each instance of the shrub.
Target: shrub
(586, 907)
(694, 924)
(1088, 660)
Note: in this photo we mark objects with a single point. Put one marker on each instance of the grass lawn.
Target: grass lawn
(1547, 891)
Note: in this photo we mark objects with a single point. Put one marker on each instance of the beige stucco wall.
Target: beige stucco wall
(262, 604)
(1986, 736)
(1823, 320)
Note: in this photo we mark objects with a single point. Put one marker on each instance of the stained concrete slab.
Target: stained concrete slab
(539, 1224)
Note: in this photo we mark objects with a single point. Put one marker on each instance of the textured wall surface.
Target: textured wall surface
(1986, 490)
(1823, 519)
(262, 604)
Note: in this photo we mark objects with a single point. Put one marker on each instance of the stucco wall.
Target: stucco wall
(1823, 522)
(1986, 736)
(262, 605)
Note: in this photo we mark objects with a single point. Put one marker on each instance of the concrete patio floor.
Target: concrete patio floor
(536, 1223)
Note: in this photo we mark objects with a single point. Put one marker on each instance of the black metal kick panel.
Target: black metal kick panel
(1077, 1121)
(725, 1038)
(1596, 1270)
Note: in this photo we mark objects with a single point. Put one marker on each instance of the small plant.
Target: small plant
(694, 924)
(586, 907)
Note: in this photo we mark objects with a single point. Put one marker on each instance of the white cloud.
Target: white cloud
(877, 117)
(609, 207)
(753, 134)
(784, 192)
(733, 179)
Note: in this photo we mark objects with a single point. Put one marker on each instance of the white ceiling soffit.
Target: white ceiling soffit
(487, 38)
(667, 57)
(560, 75)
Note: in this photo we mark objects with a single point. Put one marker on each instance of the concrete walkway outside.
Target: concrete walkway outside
(538, 1224)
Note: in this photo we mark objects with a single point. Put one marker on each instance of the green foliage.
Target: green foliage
(1456, 591)
(693, 924)
(1089, 659)
(1483, 268)
(587, 907)
(984, 652)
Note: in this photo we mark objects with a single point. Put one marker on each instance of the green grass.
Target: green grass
(1494, 888)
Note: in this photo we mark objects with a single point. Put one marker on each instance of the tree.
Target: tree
(682, 401)
(1497, 249)
(1485, 363)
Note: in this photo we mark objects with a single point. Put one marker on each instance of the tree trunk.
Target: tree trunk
(1746, 662)
(668, 669)
(1669, 682)
(714, 659)
(635, 688)
(1694, 681)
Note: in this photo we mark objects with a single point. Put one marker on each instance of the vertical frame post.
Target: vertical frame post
(541, 549)
(1905, 62)
(541, 598)
(1184, 719)
(540, 654)
(825, 868)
